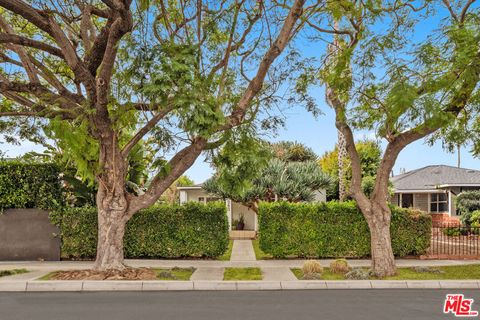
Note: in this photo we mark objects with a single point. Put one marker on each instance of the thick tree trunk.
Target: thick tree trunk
(112, 205)
(111, 230)
(383, 261)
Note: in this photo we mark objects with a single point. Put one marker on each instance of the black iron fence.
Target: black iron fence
(455, 242)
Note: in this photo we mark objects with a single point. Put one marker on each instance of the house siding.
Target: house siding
(420, 201)
(395, 199)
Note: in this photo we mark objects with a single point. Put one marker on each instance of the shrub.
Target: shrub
(358, 274)
(334, 229)
(339, 266)
(165, 231)
(452, 232)
(29, 185)
(467, 202)
(312, 266)
(475, 219)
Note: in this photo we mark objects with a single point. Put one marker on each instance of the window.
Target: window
(438, 202)
(201, 199)
(211, 199)
(407, 200)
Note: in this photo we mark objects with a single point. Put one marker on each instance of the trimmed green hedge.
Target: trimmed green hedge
(164, 231)
(335, 229)
(29, 185)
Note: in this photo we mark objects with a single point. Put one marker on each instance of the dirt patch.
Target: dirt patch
(127, 274)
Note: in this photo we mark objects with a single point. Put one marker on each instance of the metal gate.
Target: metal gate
(455, 242)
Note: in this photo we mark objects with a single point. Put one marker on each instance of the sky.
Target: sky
(320, 134)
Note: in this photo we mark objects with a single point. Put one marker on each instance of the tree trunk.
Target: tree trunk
(111, 229)
(112, 205)
(383, 261)
(342, 155)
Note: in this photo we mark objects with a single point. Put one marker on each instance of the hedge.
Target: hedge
(29, 185)
(164, 231)
(467, 202)
(334, 229)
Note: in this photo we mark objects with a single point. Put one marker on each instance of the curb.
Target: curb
(158, 285)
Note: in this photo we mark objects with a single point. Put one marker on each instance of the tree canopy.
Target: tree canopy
(283, 171)
(101, 77)
(400, 85)
(370, 155)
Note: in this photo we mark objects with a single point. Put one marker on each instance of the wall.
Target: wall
(248, 215)
(320, 195)
(194, 194)
(27, 234)
(421, 201)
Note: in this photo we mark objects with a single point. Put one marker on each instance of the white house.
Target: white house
(235, 210)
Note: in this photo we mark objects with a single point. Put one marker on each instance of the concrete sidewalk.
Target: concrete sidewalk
(208, 273)
(69, 265)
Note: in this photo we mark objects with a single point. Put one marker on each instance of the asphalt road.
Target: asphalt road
(244, 305)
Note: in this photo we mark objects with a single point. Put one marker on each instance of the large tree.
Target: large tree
(102, 76)
(379, 79)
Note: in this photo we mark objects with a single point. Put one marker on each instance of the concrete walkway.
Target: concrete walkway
(69, 265)
(279, 274)
(208, 273)
(242, 251)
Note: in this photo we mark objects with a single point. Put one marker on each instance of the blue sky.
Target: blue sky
(320, 134)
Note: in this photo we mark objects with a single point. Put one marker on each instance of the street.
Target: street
(313, 304)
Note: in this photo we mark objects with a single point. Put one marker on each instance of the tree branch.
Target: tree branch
(175, 168)
(145, 129)
(465, 10)
(19, 40)
(273, 52)
(27, 12)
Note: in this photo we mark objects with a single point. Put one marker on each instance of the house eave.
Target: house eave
(190, 188)
(448, 185)
(420, 191)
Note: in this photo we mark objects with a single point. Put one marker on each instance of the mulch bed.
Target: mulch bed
(126, 274)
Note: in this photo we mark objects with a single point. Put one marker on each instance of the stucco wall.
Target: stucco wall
(27, 234)
(248, 215)
(193, 195)
(320, 195)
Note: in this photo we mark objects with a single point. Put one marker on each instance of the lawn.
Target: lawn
(259, 254)
(226, 256)
(6, 273)
(464, 272)
(174, 273)
(326, 275)
(242, 274)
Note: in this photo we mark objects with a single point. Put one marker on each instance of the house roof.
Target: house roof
(435, 177)
(193, 187)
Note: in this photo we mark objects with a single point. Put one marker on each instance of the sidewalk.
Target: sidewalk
(69, 265)
(209, 275)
